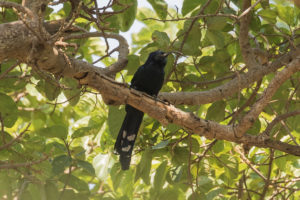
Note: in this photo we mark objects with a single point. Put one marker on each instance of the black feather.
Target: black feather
(148, 78)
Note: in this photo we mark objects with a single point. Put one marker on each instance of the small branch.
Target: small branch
(123, 49)
(248, 9)
(18, 7)
(194, 17)
(8, 70)
(5, 146)
(245, 46)
(243, 157)
(227, 89)
(245, 105)
(70, 170)
(267, 181)
(249, 119)
(17, 165)
(2, 128)
(185, 36)
(281, 120)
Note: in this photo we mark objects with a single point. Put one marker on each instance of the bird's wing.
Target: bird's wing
(137, 76)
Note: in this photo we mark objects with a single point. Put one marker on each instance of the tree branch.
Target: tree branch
(18, 7)
(228, 89)
(15, 139)
(245, 19)
(166, 113)
(278, 119)
(123, 49)
(17, 165)
(281, 76)
(48, 58)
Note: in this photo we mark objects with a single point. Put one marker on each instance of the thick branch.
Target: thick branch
(245, 47)
(166, 113)
(279, 118)
(228, 89)
(123, 49)
(16, 42)
(48, 58)
(249, 119)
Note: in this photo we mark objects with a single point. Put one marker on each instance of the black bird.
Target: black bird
(149, 78)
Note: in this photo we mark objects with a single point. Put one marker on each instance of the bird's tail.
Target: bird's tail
(127, 135)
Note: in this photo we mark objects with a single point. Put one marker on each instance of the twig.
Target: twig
(248, 9)
(17, 165)
(267, 181)
(8, 70)
(194, 17)
(5, 146)
(243, 157)
(249, 119)
(18, 7)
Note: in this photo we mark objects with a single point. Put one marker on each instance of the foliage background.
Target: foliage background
(57, 138)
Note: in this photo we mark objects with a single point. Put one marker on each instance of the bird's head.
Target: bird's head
(158, 57)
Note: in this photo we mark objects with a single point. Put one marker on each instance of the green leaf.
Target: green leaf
(10, 84)
(169, 193)
(281, 163)
(160, 7)
(212, 7)
(169, 65)
(83, 131)
(203, 180)
(192, 78)
(51, 190)
(286, 12)
(8, 110)
(216, 111)
(181, 155)
(86, 166)
(73, 95)
(160, 176)
(74, 182)
(177, 174)
(192, 41)
(58, 131)
(193, 144)
(173, 127)
(68, 194)
(115, 119)
(218, 147)
(127, 17)
(133, 64)
(190, 5)
(51, 91)
(216, 23)
(268, 15)
(161, 145)
(161, 38)
(144, 167)
(265, 4)
(60, 163)
(255, 129)
(36, 191)
(155, 126)
(25, 195)
(216, 38)
(102, 164)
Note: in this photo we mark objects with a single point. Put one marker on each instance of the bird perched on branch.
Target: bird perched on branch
(149, 78)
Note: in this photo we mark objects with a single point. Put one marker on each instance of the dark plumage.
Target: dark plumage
(148, 78)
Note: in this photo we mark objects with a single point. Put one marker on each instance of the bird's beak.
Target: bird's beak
(166, 54)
